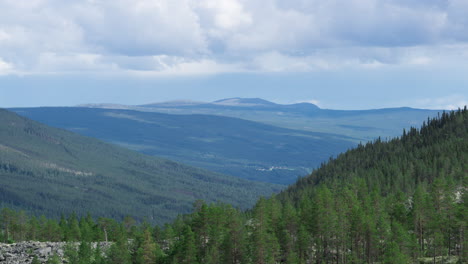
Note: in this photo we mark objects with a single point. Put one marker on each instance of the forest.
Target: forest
(400, 200)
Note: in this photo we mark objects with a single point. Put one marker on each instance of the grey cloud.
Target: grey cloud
(138, 28)
(128, 34)
(458, 14)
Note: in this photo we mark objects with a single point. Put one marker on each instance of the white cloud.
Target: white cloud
(141, 27)
(164, 65)
(4, 36)
(450, 102)
(226, 14)
(72, 63)
(39, 36)
(276, 62)
(5, 67)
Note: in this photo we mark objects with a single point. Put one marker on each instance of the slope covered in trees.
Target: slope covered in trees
(402, 201)
(53, 171)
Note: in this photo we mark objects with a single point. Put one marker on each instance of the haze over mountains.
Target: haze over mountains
(52, 171)
(362, 125)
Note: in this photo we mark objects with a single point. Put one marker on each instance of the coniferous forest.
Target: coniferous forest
(400, 200)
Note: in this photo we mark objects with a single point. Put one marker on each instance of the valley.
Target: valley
(51, 171)
(233, 146)
(248, 138)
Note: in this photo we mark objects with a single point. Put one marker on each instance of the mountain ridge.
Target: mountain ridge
(238, 102)
(383, 122)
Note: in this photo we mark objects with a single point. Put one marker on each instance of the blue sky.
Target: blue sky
(341, 54)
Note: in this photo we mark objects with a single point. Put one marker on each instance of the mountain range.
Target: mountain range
(245, 137)
(362, 125)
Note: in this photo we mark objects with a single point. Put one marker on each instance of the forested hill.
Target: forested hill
(438, 150)
(401, 201)
(51, 171)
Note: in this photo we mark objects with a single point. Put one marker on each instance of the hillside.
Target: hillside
(401, 201)
(53, 171)
(232, 146)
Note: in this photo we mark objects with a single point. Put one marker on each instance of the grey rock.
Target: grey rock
(44, 251)
(24, 252)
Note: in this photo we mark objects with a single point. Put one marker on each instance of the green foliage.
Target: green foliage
(148, 251)
(35, 260)
(85, 253)
(71, 254)
(98, 256)
(119, 253)
(54, 259)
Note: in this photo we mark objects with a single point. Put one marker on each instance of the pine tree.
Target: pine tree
(7, 219)
(118, 253)
(188, 249)
(265, 246)
(85, 253)
(98, 257)
(234, 244)
(71, 254)
(73, 232)
(149, 251)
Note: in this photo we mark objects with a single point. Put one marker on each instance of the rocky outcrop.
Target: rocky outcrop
(24, 252)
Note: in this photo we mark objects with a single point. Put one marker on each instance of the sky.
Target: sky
(339, 54)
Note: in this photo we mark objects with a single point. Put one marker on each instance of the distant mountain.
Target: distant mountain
(362, 125)
(228, 103)
(228, 145)
(242, 102)
(51, 171)
(174, 103)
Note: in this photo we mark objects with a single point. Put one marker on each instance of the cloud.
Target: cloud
(451, 102)
(225, 14)
(40, 36)
(141, 27)
(164, 65)
(72, 63)
(5, 67)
